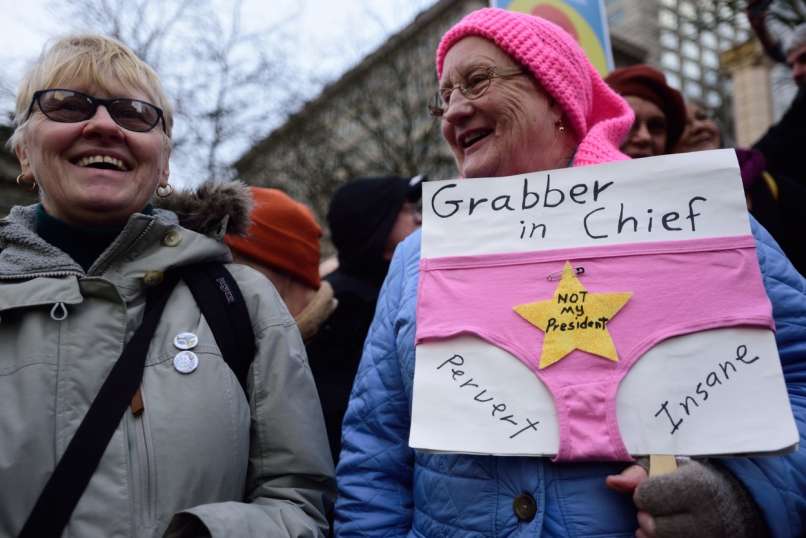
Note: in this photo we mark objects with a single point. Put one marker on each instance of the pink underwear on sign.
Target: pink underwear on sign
(679, 287)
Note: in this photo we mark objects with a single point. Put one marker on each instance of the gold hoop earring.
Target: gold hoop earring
(164, 191)
(21, 180)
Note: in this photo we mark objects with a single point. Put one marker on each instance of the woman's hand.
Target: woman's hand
(698, 499)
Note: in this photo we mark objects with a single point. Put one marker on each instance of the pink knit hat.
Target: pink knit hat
(600, 118)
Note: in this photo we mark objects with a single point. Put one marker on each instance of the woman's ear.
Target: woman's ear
(22, 156)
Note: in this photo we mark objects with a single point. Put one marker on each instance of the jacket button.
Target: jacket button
(172, 238)
(525, 507)
(153, 278)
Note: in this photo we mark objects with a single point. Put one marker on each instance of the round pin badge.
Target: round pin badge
(186, 362)
(185, 341)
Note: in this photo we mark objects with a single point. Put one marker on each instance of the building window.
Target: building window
(708, 39)
(669, 40)
(670, 61)
(687, 10)
(690, 50)
(691, 70)
(688, 29)
(693, 89)
(713, 100)
(711, 78)
(725, 30)
(669, 3)
(667, 18)
(710, 59)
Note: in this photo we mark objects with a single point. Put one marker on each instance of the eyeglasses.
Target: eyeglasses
(69, 106)
(474, 86)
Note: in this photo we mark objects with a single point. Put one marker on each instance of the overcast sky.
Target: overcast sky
(326, 37)
(346, 28)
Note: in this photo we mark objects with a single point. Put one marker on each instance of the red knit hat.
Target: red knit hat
(283, 235)
(599, 117)
(648, 83)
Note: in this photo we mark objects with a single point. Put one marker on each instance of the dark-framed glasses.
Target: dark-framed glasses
(472, 87)
(70, 106)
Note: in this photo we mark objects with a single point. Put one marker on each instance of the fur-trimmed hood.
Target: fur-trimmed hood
(212, 208)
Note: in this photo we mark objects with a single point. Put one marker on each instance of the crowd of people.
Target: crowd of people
(179, 363)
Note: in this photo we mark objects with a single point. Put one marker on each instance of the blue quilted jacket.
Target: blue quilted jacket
(388, 489)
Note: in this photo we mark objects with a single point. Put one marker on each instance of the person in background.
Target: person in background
(283, 244)
(195, 454)
(368, 217)
(660, 113)
(517, 95)
(776, 201)
(783, 143)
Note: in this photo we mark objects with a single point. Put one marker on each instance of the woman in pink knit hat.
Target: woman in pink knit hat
(516, 94)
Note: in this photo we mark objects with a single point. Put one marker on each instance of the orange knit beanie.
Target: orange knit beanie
(283, 235)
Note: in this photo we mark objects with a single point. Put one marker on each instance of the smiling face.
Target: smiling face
(647, 136)
(94, 172)
(701, 131)
(511, 129)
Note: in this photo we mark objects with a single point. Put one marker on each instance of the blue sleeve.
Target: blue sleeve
(778, 483)
(375, 469)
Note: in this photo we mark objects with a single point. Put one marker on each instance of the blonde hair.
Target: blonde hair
(92, 59)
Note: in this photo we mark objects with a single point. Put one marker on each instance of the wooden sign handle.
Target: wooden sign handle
(660, 464)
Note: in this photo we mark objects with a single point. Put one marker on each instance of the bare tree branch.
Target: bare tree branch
(226, 83)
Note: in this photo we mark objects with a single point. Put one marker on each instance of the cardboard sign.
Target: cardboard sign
(706, 392)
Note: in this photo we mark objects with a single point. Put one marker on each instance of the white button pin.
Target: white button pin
(185, 341)
(186, 362)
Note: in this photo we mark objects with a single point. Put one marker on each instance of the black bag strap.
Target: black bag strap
(221, 303)
(79, 461)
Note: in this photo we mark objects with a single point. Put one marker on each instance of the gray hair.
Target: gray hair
(797, 39)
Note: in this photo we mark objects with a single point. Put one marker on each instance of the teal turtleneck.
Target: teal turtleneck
(81, 243)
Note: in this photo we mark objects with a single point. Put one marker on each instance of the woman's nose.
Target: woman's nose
(102, 124)
(640, 133)
(458, 107)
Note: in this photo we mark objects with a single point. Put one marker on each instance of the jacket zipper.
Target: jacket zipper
(142, 475)
(46, 274)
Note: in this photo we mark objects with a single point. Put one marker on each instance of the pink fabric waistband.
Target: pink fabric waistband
(608, 251)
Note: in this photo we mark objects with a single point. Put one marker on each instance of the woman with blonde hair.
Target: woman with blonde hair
(122, 415)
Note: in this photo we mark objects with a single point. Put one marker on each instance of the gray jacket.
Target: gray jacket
(244, 468)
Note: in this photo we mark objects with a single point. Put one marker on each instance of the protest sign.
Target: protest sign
(596, 312)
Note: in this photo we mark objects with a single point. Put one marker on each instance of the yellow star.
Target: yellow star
(574, 319)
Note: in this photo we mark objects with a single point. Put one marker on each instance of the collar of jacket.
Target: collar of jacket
(316, 312)
(148, 246)
(211, 210)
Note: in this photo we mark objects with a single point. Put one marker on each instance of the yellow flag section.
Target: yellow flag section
(574, 318)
